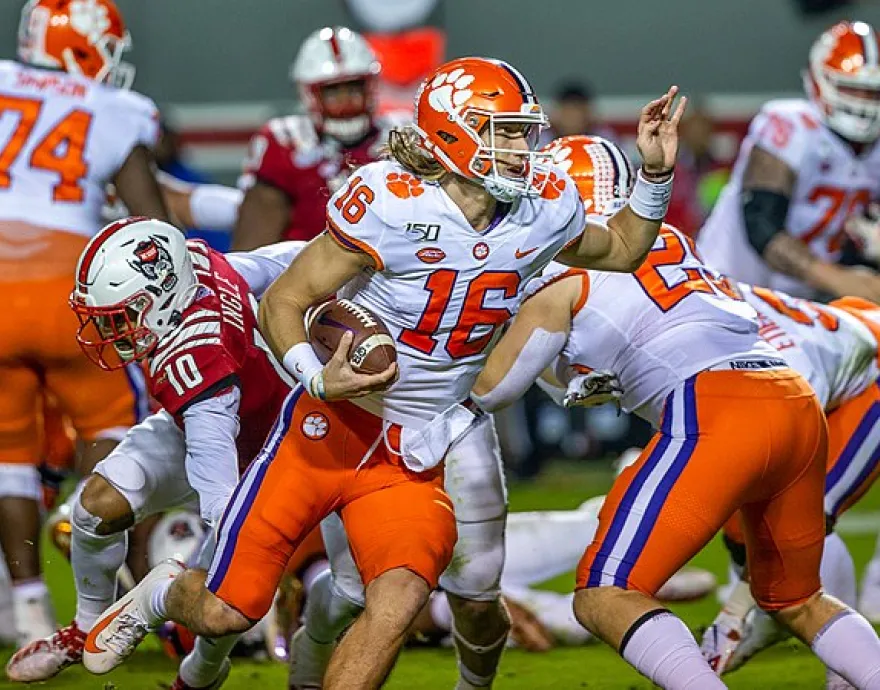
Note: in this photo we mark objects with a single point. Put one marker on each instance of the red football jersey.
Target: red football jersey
(289, 154)
(217, 346)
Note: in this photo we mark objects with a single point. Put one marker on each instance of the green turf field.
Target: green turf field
(595, 666)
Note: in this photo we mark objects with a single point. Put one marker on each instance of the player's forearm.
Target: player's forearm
(788, 255)
(282, 319)
(211, 428)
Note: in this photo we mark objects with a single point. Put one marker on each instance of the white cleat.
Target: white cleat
(123, 626)
(47, 657)
(308, 661)
(728, 644)
(721, 640)
(869, 597)
(835, 682)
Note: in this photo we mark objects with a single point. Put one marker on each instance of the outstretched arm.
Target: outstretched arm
(625, 242)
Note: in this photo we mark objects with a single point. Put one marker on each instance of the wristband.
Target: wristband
(650, 200)
(304, 365)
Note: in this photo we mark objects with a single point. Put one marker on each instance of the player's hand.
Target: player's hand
(342, 382)
(849, 281)
(657, 139)
(526, 630)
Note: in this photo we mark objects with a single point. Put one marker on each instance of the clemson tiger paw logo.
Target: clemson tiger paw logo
(404, 185)
(315, 426)
(89, 19)
(449, 92)
(561, 157)
(550, 184)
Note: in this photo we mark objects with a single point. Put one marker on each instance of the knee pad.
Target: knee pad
(477, 561)
(20, 481)
(128, 478)
(474, 476)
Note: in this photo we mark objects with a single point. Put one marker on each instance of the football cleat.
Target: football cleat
(869, 597)
(45, 658)
(721, 640)
(123, 626)
(688, 584)
(729, 642)
(179, 683)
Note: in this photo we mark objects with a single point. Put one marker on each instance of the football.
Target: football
(372, 349)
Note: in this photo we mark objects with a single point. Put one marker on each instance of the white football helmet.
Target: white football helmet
(133, 281)
(843, 80)
(329, 57)
(176, 535)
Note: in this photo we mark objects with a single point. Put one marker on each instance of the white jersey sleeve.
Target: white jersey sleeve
(356, 213)
(262, 266)
(784, 132)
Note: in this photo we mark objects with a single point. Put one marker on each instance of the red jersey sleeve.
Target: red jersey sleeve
(191, 372)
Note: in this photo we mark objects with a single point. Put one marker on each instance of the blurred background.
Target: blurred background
(593, 64)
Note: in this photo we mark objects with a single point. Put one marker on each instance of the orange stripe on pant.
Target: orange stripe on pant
(728, 440)
(324, 457)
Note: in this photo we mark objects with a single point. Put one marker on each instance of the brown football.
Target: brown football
(372, 349)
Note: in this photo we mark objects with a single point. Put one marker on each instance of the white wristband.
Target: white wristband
(304, 365)
(650, 200)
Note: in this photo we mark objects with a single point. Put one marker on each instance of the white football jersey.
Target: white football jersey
(657, 327)
(442, 288)
(829, 347)
(62, 139)
(832, 183)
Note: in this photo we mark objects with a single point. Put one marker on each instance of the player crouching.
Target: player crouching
(143, 293)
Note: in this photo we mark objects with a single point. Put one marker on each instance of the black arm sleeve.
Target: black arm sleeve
(764, 213)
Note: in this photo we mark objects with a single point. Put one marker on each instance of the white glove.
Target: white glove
(590, 390)
(864, 229)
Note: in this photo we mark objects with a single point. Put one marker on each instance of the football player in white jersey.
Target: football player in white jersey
(438, 242)
(835, 347)
(805, 166)
(68, 126)
(674, 343)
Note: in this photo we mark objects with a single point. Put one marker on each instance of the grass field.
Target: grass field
(789, 665)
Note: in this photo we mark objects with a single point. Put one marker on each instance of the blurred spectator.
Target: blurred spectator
(573, 112)
(697, 172)
(170, 160)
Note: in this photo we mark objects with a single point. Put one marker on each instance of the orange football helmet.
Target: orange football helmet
(85, 37)
(843, 80)
(466, 97)
(599, 168)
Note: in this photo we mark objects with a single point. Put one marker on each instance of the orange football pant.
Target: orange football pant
(324, 457)
(753, 441)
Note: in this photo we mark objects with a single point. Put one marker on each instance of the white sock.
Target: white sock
(95, 560)
(312, 573)
(837, 571)
(441, 613)
(156, 613)
(202, 665)
(849, 646)
(327, 612)
(33, 612)
(661, 648)
(467, 679)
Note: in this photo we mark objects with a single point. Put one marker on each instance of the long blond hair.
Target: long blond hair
(404, 146)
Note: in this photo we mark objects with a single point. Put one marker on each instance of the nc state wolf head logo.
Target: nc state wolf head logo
(152, 260)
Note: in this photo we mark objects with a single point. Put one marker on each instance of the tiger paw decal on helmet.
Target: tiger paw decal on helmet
(89, 19)
(404, 185)
(449, 92)
(562, 157)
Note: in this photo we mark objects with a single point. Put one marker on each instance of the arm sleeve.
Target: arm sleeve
(355, 218)
(135, 122)
(783, 134)
(215, 206)
(269, 161)
(211, 427)
(262, 266)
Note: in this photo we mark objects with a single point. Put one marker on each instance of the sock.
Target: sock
(327, 613)
(849, 646)
(156, 611)
(661, 648)
(202, 665)
(95, 560)
(838, 571)
(312, 573)
(740, 601)
(467, 679)
(32, 608)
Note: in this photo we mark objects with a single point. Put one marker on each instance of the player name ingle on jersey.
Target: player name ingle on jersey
(833, 182)
(443, 302)
(217, 345)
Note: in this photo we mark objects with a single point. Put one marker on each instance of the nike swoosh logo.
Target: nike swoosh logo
(519, 254)
(90, 645)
